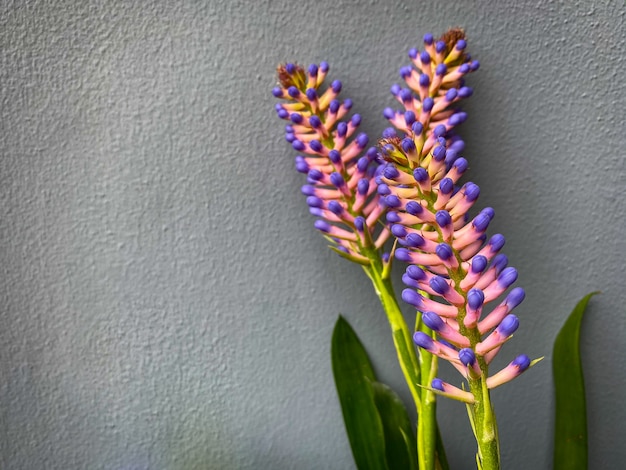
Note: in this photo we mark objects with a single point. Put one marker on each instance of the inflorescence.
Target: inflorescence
(340, 170)
(454, 270)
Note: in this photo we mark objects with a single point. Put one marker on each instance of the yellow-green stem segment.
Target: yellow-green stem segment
(418, 372)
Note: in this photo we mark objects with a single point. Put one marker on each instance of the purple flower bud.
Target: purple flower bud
(475, 298)
(461, 44)
(389, 113)
(314, 201)
(390, 132)
(474, 65)
(415, 272)
(290, 68)
(439, 131)
(409, 118)
(392, 201)
(425, 57)
(297, 145)
(420, 174)
(471, 191)
(398, 230)
(296, 118)
(405, 71)
(347, 103)
(403, 254)
(324, 67)
(439, 152)
(439, 285)
(515, 297)
(432, 321)
(457, 118)
(428, 104)
(417, 128)
(301, 165)
(363, 186)
(460, 164)
(392, 217)
(406, 95)
(522, 362)
(335, 207)
(441, 69)
(315, 174)
(413, 53)
(334, 106)
(465, 92)
(507, 277)
(440, 46)
(277, 92)
(316, 145)
(428, 39)
(414, 240)
(383, 190)
(467, 357)
(391, 172)
(451, 94)
(481, 221)
(444, 251)
(311, 94)
(362, 164)
(508, 326)
(337, 180)
(313, 70)
(423, 340)
(315, 122)
(446, 186)
(496, 242)
(479, 263)
(282, 113)
(289, 137)
(293, 91)
(334, 156)
(408, 145)
(356, 120)
(443, 218)
(322, 225)
(437, 384)
(362, 140)
(414, 208)
(464, 68)
(424, 80)
(336, 86)
(395, 89)
(342, 129)
(359, 223)
(499, 262)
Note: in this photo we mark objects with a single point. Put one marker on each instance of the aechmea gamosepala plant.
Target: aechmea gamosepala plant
(454, 271)
(341, 190)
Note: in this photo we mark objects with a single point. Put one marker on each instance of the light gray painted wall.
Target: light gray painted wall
(166, 303)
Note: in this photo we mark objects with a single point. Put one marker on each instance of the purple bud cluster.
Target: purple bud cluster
(341, 171)
(454, 269)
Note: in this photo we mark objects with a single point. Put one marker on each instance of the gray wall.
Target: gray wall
(165, 300)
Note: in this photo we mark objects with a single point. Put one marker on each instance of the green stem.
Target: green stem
(486, 429)
(418, 372)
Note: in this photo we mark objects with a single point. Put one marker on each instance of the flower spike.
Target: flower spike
(342, 188)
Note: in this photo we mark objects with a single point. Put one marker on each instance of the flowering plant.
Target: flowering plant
(404, 195)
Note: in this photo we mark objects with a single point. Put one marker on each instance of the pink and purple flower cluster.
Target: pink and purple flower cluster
(454, 270)
(341, 171)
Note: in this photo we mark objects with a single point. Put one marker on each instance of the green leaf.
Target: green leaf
(400, 442)
(354, 376)
(570, 429)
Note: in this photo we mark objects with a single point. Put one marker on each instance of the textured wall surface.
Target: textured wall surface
(165, 301)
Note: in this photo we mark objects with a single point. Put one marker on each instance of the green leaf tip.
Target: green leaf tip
(570, 429)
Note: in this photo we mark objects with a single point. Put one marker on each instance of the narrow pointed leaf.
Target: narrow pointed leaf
(354, 376)
(397, 428)
(570, 428)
